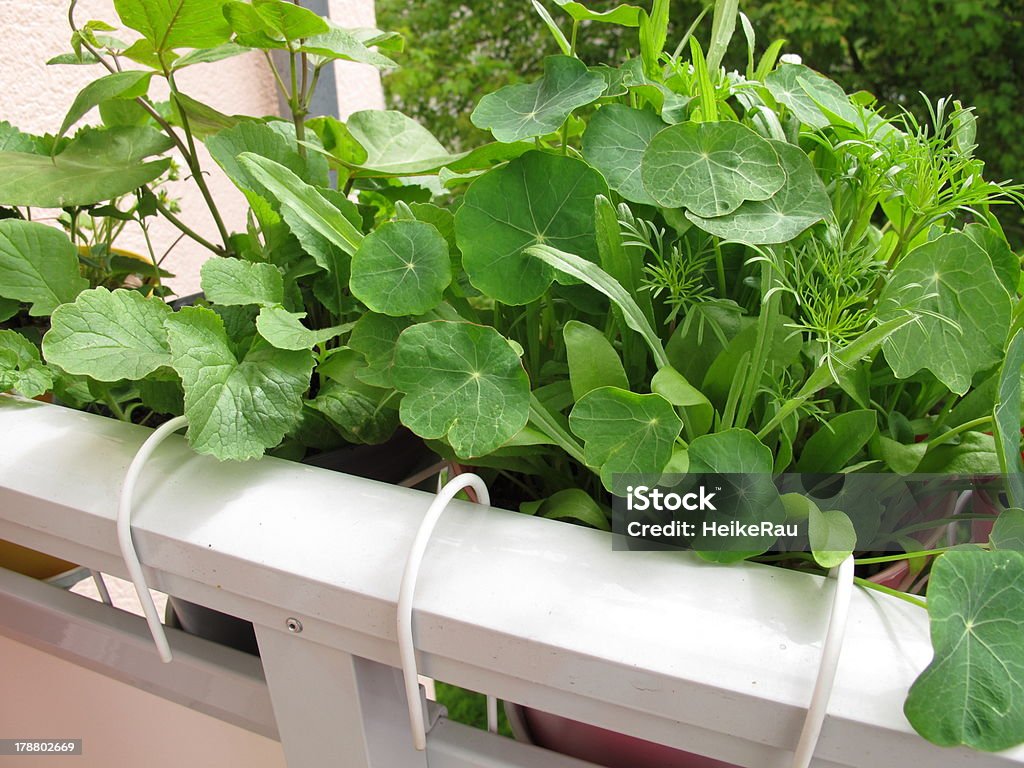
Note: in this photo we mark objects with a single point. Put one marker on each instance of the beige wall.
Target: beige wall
(35, 97)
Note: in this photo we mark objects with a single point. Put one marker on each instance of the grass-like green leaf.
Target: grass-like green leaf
(109, 335)
(38, 266)
(236, 409)
(965, 312)
(537, 198)
(402, 268)
(233, 282)
(464, 383)
(801, 203)
(525, 110)
(97, 165)
(710, 168)
(614, 143)
(971, 691)
(625, 434)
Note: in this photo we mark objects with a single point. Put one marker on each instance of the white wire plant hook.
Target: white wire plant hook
(124, 532)
(406, 593)
(843, 574)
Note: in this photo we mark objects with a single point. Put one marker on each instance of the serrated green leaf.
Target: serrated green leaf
(837, 442)
(1008, 531)
(463, 382)
(234, 282)
(537, 198)
(614, 143)
(97, 165)
(236, 409)
(832, 536)
(624, 15)
(169, 24)
(965, 318)
(525, 110)
(375, 337)
(21, 368)
(13, 140)
(593, 361)
(120, 85)
(801, 203)
(625, 434)
(970, 692)
(284, 329)
(38, 266)
(109, 336)
(402, 268)
(710, 168)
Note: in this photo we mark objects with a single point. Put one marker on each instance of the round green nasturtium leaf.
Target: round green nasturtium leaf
(971, 691)
(525, 110)
(462, 382)
(236, 409)
(625, 434)
(964, 312)
(801, 203)
(375, 337)
(109, 335)
(536, 199)
(402, 268)
(1008, 531)
(38, 266)
(614, 143)
(831, 534)
(710, 168)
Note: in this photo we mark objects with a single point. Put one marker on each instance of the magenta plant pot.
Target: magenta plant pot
(599, 745)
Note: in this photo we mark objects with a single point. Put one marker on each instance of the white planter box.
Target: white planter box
(711, 659)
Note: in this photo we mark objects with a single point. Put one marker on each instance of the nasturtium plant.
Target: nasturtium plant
(658, 268)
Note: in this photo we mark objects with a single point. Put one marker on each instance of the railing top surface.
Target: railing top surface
(530, 609)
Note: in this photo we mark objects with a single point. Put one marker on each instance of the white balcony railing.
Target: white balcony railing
(715, 660)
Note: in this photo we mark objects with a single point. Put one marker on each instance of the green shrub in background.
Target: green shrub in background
(972, 49)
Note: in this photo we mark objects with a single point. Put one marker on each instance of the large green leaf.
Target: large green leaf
(38, 266)
(973, 454)
(624, 15)
(359, 411)
(525, 110)
(343, 44)
(233, 282)
(120, 85)
(96, 166)
(375, 337)
(170, 24)
(535, 199)
(1004, 261)
(614, 143)
(463, 382)
(965, 312)
(402, 268)
(21, 369)
(284, 329)
(236, 409)
(593, 361)
(109, 335)
(673, 386)
(625, 434)
(837, 442)
(802, 89)
(1008, 419)
(13, 140)
(305, 203)
(710, 168)
(395, 143)
(801, 203)
(971, 691)
(226, 146)
(1008, 530)
(270, 24)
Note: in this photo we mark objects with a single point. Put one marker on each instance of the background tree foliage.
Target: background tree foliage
(970, 49)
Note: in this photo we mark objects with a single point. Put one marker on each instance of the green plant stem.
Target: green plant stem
(546, 423)
(720, 268)
(111, 403)
(277, 76)
(890, 591)
(945, 437)
(187, 230)
(940, 521)
(197, 171)
(296, 104)
(901, 556)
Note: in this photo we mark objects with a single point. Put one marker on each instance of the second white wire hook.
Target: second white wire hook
(124, 532)
(407, 590)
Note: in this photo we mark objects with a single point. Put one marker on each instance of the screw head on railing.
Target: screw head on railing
(293, 625)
